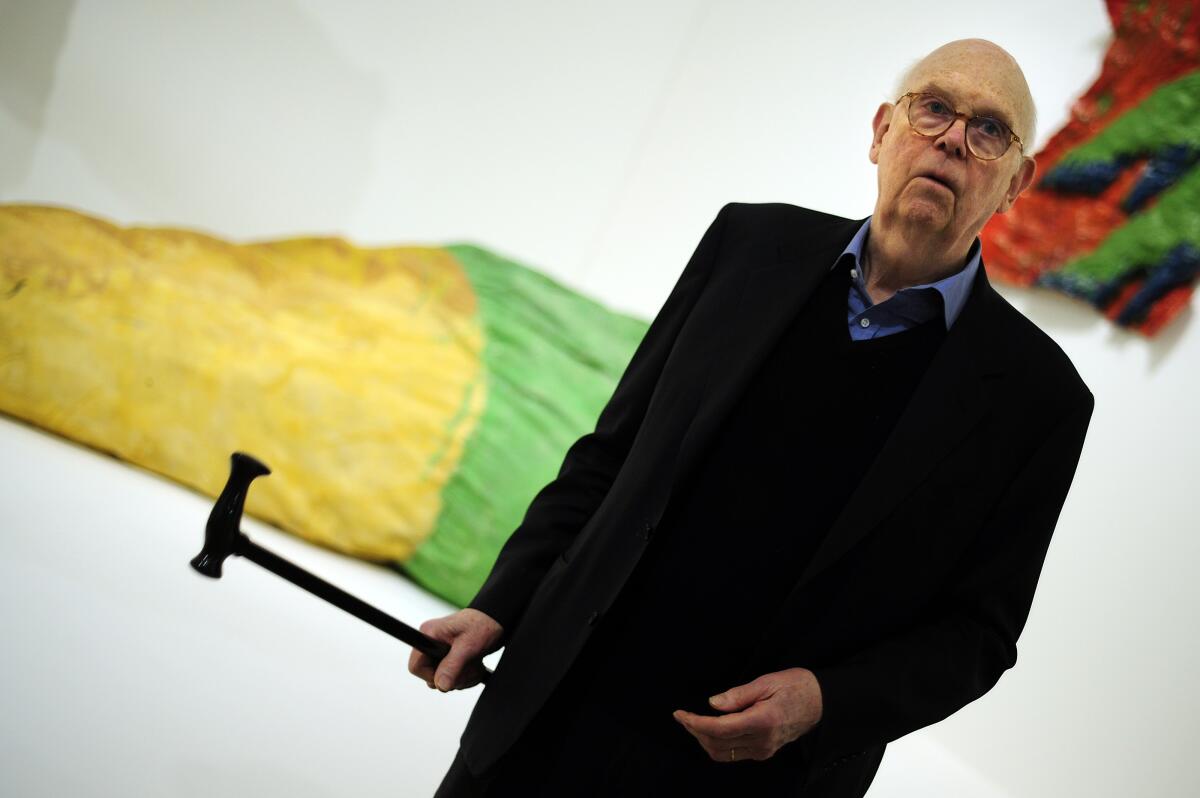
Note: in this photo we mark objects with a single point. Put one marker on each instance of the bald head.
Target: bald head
(935, 191)
(993, 64)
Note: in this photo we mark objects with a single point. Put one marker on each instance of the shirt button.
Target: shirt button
(854, 274)
(648, 531)
(593, 618)
(864, 322)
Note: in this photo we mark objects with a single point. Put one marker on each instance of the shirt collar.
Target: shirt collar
(954, 289)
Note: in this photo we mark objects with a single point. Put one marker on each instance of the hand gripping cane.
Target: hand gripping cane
(223, 537)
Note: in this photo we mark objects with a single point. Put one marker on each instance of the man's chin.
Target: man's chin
(931, 216)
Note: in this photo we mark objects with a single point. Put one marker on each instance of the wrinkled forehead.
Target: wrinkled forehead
(971, 103)
(976, 81)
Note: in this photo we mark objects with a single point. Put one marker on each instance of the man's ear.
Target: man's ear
(1022, 180)
(880, 125)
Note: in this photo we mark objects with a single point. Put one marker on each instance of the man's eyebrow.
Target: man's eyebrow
(995, 113)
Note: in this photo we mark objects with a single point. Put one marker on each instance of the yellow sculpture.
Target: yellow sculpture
(354, 373)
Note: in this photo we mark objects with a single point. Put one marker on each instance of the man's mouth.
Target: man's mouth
(941, 181)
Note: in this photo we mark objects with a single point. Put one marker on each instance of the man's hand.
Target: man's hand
(472, 635)
(764, 715)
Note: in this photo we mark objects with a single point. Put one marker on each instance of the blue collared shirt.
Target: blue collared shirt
(908, 307)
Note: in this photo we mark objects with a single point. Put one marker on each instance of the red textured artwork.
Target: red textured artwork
(1114, 218)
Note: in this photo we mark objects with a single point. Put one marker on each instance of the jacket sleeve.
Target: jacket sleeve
(918, 678)
(563, 507)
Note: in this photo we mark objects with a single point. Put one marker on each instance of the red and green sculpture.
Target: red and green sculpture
(1115, 217)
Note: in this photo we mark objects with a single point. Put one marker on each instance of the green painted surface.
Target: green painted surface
(552, 358)
(1144, 240)
(1169, 116)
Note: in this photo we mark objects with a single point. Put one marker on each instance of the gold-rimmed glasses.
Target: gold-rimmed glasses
(987, 137)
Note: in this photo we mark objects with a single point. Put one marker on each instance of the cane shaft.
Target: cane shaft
(341, 599)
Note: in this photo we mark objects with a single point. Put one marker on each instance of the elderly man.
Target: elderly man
(813, 514)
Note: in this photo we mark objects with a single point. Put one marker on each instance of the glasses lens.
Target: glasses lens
(988, 138)
(929, 114)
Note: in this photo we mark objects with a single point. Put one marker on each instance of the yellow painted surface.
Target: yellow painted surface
(354, 373)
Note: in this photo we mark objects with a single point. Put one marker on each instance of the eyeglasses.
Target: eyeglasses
(987, 137)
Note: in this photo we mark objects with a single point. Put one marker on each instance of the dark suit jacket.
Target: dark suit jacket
(912, 605)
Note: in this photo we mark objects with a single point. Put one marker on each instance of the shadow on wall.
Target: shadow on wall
(1055, 312)
(31, 37)
(188, 110)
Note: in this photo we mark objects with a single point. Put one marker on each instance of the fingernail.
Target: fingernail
(443, 684)
(717, 700)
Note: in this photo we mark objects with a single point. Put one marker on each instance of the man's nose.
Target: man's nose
(954, 140)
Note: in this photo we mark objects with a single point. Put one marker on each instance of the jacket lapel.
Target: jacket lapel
(772, 295)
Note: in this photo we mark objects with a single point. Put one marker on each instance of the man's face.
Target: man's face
(934, 186)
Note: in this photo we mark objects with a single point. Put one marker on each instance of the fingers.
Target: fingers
(421, 664)
(446, 676)
(470, 635)
(752, 720)
(750, 734)
(469, 676)
(744, 747)
(743, 695)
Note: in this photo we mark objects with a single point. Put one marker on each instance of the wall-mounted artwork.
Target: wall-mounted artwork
(410, 400)
(1115, 216)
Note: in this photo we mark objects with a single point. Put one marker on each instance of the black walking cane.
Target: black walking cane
(223, 537)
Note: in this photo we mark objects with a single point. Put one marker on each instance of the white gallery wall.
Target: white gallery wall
(594, 141)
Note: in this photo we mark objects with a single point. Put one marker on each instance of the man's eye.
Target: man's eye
(938, 107)
(990, 127)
